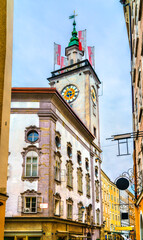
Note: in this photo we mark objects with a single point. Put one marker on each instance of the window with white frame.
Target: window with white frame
(29, 202)
(58, 205)
(31, 164)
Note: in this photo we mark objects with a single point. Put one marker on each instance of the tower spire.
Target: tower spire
(74, 39)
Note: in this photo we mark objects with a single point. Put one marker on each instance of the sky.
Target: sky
(40, 23)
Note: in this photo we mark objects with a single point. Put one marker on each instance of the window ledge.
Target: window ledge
(57, 215)
(70, 187)
(30, 179)
(58, 181)
(88, 196)
(80, 192)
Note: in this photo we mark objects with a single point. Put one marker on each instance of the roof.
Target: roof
(52, 91)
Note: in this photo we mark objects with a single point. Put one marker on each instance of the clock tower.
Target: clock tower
(78, 83)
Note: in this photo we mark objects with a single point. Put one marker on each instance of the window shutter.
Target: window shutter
(61, 208)
(20, 205)
(39, 200)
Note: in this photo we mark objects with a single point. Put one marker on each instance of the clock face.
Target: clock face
(93, 94)
(70, 93)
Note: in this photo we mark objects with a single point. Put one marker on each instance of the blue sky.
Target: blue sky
(40, 23)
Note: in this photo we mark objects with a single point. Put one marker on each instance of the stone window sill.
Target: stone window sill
(58, 181)
(80, 192)
(30, 179)
(70, 187)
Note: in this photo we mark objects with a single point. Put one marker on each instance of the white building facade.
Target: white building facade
(54, 157)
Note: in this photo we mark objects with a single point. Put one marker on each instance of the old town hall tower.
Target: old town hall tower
(78, 84)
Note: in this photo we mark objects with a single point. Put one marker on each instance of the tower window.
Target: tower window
(71, 61)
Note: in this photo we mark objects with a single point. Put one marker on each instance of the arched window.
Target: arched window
(31, 160)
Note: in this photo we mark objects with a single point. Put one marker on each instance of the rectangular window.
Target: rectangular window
(97, 216)
(80, 214)
(31, 166)
(58, 171)
(69, 211)
(57, 207)
(30, 205)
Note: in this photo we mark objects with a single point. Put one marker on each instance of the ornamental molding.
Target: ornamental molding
(31, 148)
(30, 192)
(47, 114)
(57, 195)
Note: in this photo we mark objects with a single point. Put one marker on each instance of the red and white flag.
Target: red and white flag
(82, 40)
(57, 54)
(91, 55)
(63, 62)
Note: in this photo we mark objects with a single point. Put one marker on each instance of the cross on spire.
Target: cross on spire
(73, 16)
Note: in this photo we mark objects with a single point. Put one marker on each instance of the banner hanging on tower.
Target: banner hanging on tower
(57, 54)
(63, 62)
(82, 39)
(91, 55)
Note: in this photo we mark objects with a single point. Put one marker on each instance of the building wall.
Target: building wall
(6, 39)
(137, 83)
(110, 201)
(46, 116)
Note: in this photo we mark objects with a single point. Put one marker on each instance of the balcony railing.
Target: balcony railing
(70, 68)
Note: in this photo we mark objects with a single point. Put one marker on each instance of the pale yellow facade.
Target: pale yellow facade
(110, 203)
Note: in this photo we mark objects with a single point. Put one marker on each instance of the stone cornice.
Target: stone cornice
(48, 114)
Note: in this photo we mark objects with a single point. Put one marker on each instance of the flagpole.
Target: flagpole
(85, 46)
(94, 56)
(54, 56)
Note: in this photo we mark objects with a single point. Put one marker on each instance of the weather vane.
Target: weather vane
(73, 16)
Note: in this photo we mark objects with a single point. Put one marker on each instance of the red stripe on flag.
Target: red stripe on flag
(58, 53)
